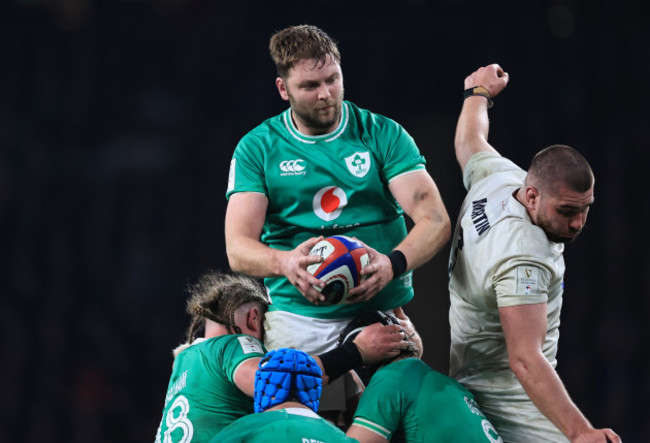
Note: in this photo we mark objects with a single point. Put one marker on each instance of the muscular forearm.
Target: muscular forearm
(420, 199)
(252, 257)
(545, 389)
(248, 255)
(426, 238)
(375, 343)
(472, 129)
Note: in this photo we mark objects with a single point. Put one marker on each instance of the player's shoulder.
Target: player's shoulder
(393, 372)
(525, 239)
(491, 165)
(411, 362)
(250, 344)
(370, 120)
(247, 343)
(203, 345)
(524, 232)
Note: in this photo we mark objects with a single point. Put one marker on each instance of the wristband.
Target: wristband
(479, 90)
(398, 262)
(341, 359)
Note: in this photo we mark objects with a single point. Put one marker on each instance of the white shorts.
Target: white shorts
(315, 336)
(516, 418)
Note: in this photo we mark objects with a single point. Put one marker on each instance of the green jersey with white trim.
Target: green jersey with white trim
(428, 407)
(285, 425)
(330, 184)
(202, 397)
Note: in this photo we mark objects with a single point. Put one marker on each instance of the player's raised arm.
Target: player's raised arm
(473, 124)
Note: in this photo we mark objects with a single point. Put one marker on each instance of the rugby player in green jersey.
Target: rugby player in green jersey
(287, 394)
(325, 167)
(212, 381)
(407, 401)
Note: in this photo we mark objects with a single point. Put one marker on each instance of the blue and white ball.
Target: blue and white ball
(343, 260)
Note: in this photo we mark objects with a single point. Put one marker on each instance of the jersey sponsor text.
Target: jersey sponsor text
(292, 167)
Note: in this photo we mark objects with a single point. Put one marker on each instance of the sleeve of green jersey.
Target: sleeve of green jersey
(237, 350)
(247, 168)
(379, 409)
(399, 151)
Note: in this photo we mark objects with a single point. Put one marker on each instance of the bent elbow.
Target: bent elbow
(523, 365)
(442, 226)
(518, 367)
(234, 262)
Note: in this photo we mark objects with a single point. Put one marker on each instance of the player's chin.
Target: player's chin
(569, 238)
(562, 238)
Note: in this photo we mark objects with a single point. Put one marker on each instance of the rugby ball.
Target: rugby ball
(343, 259)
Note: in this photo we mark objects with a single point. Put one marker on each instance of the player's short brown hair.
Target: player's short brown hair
(296, 43)
(561, 164)
(216, 296)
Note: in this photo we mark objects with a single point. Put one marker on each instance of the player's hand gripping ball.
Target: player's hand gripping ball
(343, 259)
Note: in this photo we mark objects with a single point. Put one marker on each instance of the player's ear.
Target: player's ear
(282, 88)
(254, 319)
(532, 196)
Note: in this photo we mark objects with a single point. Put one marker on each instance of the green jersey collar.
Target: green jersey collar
(288, 123)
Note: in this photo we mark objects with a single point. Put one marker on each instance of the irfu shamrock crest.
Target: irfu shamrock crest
(358, 163)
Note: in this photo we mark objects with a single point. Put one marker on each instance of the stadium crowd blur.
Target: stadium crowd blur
(117, 123)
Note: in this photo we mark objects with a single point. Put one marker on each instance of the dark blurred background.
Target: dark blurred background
(117, 123)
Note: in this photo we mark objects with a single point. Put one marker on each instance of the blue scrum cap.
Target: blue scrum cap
(287, 374)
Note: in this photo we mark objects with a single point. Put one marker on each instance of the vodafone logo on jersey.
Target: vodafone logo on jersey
(329, 202)
(292, 167)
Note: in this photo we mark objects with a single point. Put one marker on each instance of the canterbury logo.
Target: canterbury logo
(292, 165)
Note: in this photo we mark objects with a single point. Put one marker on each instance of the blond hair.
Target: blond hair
(216, 296)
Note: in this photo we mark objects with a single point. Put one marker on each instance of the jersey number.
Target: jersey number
(176, 418)
(490, 432)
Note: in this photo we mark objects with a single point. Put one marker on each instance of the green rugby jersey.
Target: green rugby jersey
(202, 397)
(329, 184)
(407, 401)
(283, 425)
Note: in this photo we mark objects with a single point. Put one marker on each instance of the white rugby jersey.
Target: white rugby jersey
(498, 258)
